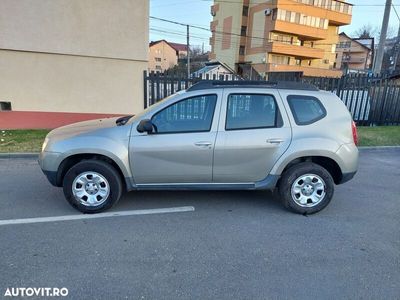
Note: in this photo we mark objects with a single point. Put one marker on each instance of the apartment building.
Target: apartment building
(278, 35)
(354, 54)
(163, 55)
(70, 60)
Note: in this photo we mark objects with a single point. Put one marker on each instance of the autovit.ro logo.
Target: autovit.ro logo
(36, 292)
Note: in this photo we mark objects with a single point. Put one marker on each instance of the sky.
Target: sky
(197, 12)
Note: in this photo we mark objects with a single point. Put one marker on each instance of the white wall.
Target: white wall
(73, 55)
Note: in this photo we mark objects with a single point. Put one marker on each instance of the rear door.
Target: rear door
(253, 132)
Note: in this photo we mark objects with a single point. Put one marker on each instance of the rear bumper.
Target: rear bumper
(347, 177)
(348, 155)
(347, 158)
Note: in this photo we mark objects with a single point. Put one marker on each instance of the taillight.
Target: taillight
(355, 134)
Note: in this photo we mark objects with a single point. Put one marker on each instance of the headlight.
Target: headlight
(46, 140)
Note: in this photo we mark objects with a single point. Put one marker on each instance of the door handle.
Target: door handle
(275, 141)
(203, 144)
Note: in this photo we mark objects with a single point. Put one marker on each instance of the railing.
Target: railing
(371, 100)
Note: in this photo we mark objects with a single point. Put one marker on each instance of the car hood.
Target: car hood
(82, 127)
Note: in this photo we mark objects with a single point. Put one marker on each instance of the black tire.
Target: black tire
(296, 171)
(104, 169)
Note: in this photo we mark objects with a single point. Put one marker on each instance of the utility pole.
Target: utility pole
(382, 38)
(188, 51)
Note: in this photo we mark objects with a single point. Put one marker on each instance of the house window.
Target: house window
(243, 31)
(158, 67)
(5, 105)
(158, 58)
(297, 18)
(280, 59)
(242, 50)
(344, 45)
(245, 11)
(288, 16)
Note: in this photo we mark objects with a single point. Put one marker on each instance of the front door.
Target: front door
(181, 148)
(254, 132)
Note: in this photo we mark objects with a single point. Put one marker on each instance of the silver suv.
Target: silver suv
(214, 135)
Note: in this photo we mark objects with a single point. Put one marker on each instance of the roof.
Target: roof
(205, 69)
(356, 40)
(177, 47)
(209, 66)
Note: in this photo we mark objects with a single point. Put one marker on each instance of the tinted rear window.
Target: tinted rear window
(306, 109)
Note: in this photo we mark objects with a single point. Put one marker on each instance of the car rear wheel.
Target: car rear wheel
(306, 188)
(92, 186)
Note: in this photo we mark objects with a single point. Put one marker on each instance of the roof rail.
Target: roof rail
(287, 85)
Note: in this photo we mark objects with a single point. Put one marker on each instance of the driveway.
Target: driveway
(221, 245)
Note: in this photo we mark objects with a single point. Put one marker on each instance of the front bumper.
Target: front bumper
(51, 177)
(49, 162)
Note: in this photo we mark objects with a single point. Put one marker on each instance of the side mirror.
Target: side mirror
(145, 126)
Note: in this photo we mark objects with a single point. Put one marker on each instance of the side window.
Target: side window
(251, 111)
(306, 109)
(190, 115)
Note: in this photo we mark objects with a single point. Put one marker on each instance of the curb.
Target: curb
(379, 148)
(20, 155)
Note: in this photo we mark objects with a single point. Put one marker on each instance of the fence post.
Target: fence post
(145, 88)
(339, 86)
(152, 93)
(385, 91)
(158, 90)
(165, 82)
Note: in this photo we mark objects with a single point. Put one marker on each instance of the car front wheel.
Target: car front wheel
(306, 188)
(92, 186)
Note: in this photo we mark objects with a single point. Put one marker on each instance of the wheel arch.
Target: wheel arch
(324, 161)
(73, 159)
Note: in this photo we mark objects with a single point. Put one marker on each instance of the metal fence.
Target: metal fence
(371, 100)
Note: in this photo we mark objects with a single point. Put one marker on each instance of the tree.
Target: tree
(197, 61)
(366, 32)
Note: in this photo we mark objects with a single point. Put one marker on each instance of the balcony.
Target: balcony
(339, 12)
(307, 32)
(337, 18)
(354, 60)
(294, 50)
(307, 71)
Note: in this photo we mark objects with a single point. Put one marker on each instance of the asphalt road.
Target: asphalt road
(235, 245)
